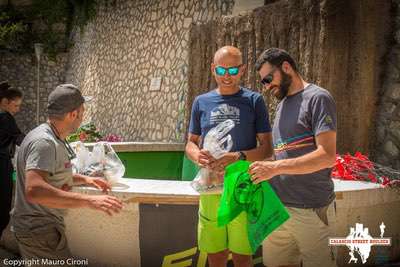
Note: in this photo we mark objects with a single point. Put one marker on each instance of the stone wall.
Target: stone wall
(338, 44)
(388, 117)
(119, 53)
(21, 72)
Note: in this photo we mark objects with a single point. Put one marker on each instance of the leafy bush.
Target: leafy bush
(88, 133)
(13, 29)
(46, 21)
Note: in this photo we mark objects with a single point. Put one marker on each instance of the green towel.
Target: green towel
(265, 211)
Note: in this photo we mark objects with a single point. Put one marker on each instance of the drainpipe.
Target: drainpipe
(38, 53)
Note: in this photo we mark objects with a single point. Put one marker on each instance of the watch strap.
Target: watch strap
(242, 155)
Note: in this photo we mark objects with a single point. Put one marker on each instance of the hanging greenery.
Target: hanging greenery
(13, 29)
(46, 21)
(83, 12)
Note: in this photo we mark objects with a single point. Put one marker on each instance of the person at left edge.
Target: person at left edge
(44, 176)
(10, 136)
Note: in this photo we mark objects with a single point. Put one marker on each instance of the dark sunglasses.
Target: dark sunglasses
(232, 71)
(268, 78)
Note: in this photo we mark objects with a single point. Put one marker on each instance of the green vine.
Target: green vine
(46, 21)
(13, 29)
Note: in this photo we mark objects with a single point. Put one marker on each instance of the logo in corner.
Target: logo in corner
(359, 241)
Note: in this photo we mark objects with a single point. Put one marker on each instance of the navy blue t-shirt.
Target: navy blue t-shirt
(246, 108)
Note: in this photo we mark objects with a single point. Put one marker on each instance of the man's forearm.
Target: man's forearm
(309, 163)
(49, 196)
(262, 152)
(80, 179)
(192, 150)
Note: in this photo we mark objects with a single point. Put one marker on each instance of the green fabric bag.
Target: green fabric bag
(265, 211)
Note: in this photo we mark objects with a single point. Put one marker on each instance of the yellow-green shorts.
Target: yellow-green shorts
(213, 239)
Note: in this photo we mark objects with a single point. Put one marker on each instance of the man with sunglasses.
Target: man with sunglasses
(44, 177)
(247, 109)
(304, 138)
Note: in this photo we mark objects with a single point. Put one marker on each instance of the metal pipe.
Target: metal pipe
(38, 52)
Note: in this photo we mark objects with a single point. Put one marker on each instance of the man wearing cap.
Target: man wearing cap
(44, 176)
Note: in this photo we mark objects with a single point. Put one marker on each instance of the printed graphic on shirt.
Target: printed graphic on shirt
(328, 119)
(224, 112)
(68, 165)
(297, 142)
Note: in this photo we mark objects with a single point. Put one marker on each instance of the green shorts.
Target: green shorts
(213, 239)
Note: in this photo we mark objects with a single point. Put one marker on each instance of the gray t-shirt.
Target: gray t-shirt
(299, 119)
(40, 150)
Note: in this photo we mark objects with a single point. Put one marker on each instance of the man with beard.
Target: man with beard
(304, 139)
(44, 177)
(247, 109)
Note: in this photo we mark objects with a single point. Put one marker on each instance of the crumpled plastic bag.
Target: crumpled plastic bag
(102, 161)
(265, 211)
(217, 142)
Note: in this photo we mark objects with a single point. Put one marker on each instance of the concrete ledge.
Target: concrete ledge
(133, 190)
(149, 191)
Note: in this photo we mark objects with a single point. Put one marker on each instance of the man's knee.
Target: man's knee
(240, 260)
(218, 259)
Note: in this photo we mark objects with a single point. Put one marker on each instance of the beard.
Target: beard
(284, 86)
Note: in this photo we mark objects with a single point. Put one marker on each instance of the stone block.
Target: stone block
(391, 148)
(394, 129)
(393, 91)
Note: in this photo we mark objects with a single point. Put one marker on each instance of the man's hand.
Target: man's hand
(263, 170)
(105, 203)
(224, 161)
(99, 183)
(204, 158)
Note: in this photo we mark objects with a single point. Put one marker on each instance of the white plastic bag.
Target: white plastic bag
(82, 157)
(217, 142)
(113, 167)
(102, 161)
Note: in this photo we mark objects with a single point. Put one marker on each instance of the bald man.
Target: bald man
(247, 109)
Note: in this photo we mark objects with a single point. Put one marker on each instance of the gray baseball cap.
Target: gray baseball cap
(65, 98)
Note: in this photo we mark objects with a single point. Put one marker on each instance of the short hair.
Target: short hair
(61, 116)
(275, 57)
(6, 91)
(57, 117)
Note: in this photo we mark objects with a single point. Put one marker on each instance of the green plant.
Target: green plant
(13, 28)
(85, 133)
(46, 21)
(50, 15)
(88, 133)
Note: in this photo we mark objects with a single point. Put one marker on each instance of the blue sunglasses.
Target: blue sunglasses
(232, 71)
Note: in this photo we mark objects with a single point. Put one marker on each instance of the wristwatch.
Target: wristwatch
(242, 155)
